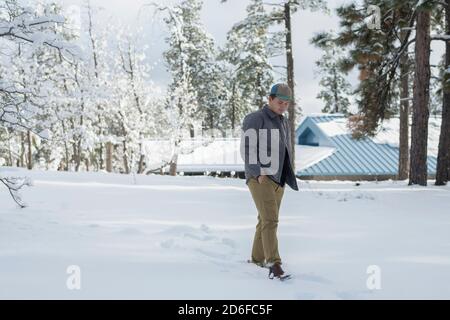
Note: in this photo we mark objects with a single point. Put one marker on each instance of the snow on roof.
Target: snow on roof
(388, 132)
(306, 156)
(334, 127)
(221, 154)
(197, 154)
(220, 151)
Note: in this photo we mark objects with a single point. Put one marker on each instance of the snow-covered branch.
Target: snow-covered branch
(441, 37)
(14, 184)
(27, 27)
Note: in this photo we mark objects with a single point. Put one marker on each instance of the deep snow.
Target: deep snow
(162, 237)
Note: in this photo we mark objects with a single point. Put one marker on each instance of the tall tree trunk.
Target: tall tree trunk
(10, 157)
(141, 163)
(233, 106)
(74, 155)
(443, 162)
(421, 98)
(86, 161)
(79, 136)
(261, 95)
(109, 152)
(141, 166)
(66, 148)
(22, 150)
(290, 77)
(95, 60)
(173, 165)
(67, 162)
(100, 150)
(125, 158)
(78, 155)
(211, 123)
(74, 146)
(403, 156)
(29, 156)
(335, 93)
(174, 161)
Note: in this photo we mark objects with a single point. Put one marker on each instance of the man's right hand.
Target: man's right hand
(260, 179)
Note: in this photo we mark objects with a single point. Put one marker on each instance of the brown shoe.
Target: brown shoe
(275, 271)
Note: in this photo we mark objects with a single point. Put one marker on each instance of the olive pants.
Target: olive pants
(267, 196)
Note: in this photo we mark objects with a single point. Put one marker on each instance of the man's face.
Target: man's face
(277, 105)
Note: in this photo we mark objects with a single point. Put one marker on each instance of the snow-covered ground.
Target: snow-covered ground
(161, 237)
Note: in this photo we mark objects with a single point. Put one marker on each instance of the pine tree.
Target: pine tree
(182, 103)
(199, 56)
(247, 53)
(335, 87)
(381, 55)
(375, 52)
(282, 14)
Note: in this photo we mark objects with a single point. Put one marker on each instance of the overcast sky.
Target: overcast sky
(218, 18)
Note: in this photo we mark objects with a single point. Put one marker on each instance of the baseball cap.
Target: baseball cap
(281, 91)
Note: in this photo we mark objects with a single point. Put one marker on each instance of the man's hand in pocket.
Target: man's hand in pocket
(261, 179)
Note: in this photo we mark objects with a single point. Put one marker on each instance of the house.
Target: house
(326, 150)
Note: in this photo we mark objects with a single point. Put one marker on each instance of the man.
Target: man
(266, 181)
